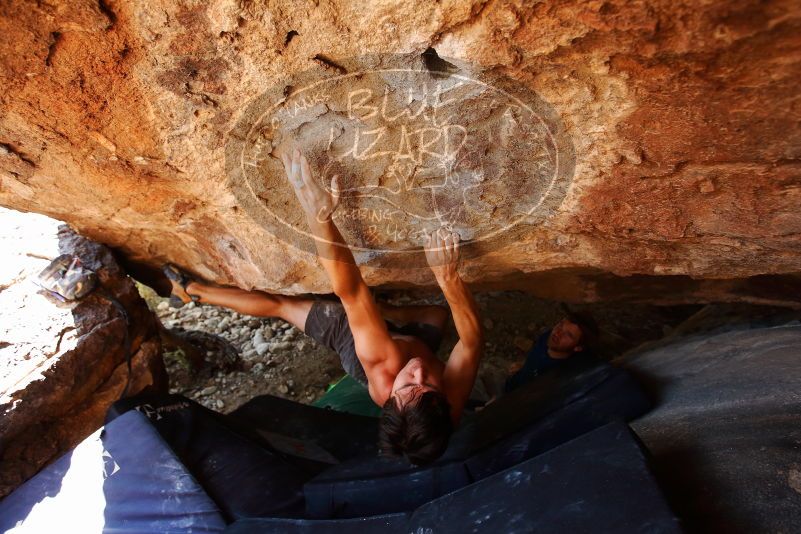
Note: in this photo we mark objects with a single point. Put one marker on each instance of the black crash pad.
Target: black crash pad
(342, 435)
(598, 482)
(618, 397)
(552, 409)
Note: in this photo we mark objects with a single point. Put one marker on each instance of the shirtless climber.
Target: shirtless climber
(389, 349)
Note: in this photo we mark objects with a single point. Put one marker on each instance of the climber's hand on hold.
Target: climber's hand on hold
(459, 376)
(442, 254)
(317, 202)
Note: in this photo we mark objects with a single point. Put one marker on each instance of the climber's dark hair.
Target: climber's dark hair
(418, 430)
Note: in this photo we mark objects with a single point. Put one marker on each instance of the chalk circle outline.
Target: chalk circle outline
(241, 137)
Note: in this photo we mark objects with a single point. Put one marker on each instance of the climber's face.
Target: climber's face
(417, 377)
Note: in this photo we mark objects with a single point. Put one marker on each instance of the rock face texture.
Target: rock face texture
(570, 143)
(60, 368)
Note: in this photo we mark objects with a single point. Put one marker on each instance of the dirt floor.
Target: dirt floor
(267, 355)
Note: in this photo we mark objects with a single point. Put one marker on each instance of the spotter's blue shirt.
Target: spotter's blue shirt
(537, 362)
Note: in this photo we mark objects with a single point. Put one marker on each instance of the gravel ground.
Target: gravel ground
(276, 358)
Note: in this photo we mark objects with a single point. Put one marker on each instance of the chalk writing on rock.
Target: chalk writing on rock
(414, 150)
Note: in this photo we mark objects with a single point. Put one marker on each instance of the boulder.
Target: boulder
(62, 368)
(724, 434)
(583, 150)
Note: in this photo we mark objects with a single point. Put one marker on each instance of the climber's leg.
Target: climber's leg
(294, 310)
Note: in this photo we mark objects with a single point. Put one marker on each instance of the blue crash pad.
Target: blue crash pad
(244, 474)
(122, 479)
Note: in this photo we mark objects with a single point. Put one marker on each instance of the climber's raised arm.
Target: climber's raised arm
(442, 254)
(318, 204)
(373, 344)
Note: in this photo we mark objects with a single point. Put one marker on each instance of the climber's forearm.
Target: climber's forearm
(336, 258)
(464, 310)
(374, 347)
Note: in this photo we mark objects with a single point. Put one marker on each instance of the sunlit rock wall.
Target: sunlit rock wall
(61, 368)
(569, 143)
